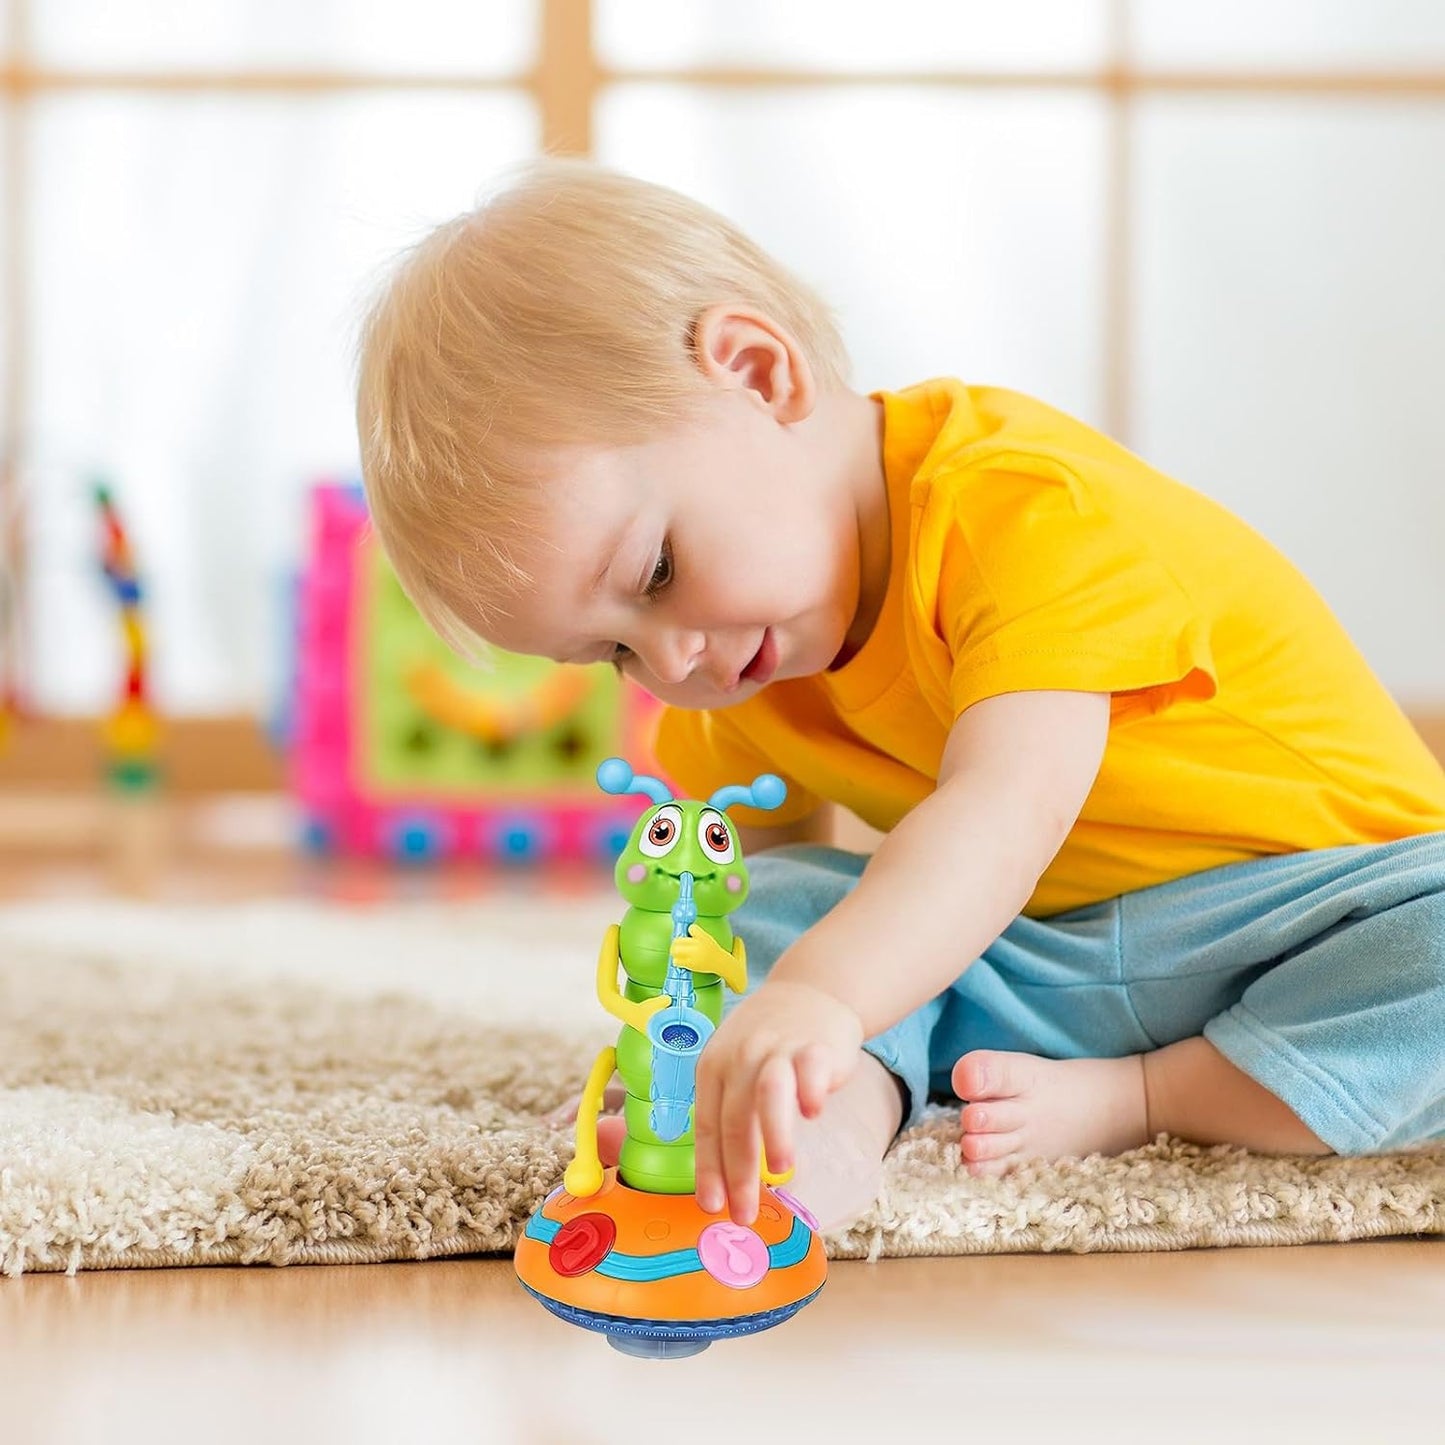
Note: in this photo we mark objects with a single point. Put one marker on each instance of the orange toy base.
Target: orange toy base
(659, 1276)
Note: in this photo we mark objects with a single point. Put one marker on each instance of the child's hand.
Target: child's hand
(788, 1046)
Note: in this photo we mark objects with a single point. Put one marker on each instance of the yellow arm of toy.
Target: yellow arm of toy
(736, 976)
(767, 1175)
(584, 1174)
(700, 952)
(634, 1015)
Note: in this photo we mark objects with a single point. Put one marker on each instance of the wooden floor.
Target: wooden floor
(1323, 1343)
(1333, 1342)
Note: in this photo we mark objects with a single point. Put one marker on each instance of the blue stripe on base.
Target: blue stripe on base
(642, 1268)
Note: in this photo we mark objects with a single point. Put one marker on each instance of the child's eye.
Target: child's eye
(662, 573)
(661, 579)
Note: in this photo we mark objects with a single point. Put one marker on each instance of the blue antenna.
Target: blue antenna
(767, 791)
(615, 775)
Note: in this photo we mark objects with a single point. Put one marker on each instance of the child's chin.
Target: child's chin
(730, 699)
(705, 701)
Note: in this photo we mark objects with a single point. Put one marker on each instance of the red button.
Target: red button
(581, 1244)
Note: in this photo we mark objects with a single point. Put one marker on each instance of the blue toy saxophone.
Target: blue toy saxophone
(677, 1033)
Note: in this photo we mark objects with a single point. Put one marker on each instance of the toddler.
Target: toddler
(1161, 853)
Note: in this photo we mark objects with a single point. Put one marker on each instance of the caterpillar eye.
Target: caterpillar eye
(716, 837)
(663, 830)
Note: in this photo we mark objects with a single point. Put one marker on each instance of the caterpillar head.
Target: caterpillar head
(685, 835)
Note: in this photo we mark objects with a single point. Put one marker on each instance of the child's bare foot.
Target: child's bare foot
(611, 1127)
(839, 1155)
(565, 1114)
(1020, 1106)
(611, 1132)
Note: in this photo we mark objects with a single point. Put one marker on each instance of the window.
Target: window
(1213, 230)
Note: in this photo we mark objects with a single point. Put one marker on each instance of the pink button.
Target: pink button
(733, 1254)
(798, 1208)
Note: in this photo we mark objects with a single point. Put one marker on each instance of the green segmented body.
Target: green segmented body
(679, 836)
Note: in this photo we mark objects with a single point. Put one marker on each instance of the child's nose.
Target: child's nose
(676, 653)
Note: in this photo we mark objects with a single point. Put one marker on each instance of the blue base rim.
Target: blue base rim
(704, 1330)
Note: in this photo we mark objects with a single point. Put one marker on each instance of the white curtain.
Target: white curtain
(197, 262)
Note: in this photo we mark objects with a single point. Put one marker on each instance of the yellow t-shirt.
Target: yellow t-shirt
(1031, 552)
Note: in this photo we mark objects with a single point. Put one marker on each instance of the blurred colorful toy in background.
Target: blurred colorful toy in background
(401, 749)
(132, 729)
(627, 1250)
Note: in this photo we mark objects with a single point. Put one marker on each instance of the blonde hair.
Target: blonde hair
(562, 310)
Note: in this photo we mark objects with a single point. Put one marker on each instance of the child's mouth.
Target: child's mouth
(765, 660)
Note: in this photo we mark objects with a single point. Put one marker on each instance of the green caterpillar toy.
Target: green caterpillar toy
(627, 1250)
(681, 875)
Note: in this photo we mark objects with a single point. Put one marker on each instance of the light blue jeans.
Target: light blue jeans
(1321, 975)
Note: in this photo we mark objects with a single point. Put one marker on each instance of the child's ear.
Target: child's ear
(740, 348)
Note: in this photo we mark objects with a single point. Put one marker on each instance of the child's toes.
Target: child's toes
(562, 1115)
(990, 1074)
(988, 1148)
(989, 1155)
(997, 1116)
(989, 1168)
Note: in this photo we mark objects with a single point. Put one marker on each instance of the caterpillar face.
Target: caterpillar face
(683, 836)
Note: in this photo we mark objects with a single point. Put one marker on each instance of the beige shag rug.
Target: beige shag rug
(302, 1082)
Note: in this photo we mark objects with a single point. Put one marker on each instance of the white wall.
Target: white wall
(198, 261)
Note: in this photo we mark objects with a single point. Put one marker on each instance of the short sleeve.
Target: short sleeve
(1042, 587)
(700, 752)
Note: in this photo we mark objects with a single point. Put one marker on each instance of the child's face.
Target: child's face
(708, 562)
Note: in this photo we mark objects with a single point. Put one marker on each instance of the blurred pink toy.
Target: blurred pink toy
(401, 749)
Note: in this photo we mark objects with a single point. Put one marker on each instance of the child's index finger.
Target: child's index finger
(744, 1207)
(743, 1185)
(707, 1173)
(707, 1176)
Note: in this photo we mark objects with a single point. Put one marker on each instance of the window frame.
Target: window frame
(565, 81)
